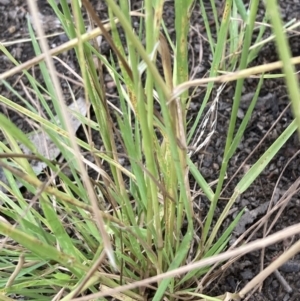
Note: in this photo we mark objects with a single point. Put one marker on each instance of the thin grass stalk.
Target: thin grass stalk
(151, 39)
(261, 164)
(182, 18)
(166, 162)
(133, 60)
(237, 96)
(236, 40)
(216, 17)
(242, 10)
(285, 55)
(152, 196)
(153, 215)
(260, 41)
(219, 49)
(66, 18)
(45, 72)
(79, 22)
(178, 107)
(207, 28)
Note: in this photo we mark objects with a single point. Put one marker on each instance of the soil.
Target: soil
(270, 185)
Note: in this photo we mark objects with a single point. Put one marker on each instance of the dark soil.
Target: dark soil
(272, 102)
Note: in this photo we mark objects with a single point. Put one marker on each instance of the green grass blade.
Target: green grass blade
(285, 56)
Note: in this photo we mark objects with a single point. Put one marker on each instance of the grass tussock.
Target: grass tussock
(132, 232)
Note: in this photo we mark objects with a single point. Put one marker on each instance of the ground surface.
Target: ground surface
(273, 100)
